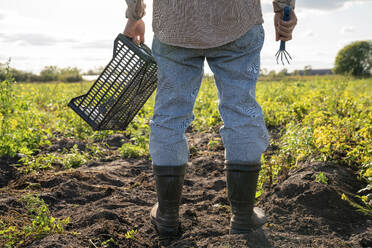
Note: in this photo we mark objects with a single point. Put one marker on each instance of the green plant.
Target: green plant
(321, 178)
(131, 234)
(36, 223)
(135, 185)
(226, 245)
(20, 128)
(37, 163)
(213, 143)
(312, 119)
(325, 119)
(74, 159)
(94, 151)
(106, 242)
(366, 209)
(128, 150)
(7, 108)
(225, 208)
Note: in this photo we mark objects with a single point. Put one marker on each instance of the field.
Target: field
(64, 185)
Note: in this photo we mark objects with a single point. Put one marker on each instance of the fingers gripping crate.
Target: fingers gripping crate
(122, 88)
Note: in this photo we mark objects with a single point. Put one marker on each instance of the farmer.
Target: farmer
(229, 34)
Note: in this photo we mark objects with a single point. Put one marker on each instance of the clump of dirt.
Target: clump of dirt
(58, 145)
(116, 140)
(106, 199)
(7, 171)
(301, 206)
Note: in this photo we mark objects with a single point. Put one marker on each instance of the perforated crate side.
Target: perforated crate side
(136, 95)
(121, 90)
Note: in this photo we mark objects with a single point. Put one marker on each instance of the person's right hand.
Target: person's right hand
(135, 30)
(283, 29)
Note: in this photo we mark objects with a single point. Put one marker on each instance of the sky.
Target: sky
(80, 33)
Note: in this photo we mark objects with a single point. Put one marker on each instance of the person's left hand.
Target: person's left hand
(283, 29)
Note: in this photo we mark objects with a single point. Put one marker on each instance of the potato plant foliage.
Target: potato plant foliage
(315, 118)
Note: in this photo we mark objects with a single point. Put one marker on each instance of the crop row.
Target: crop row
(313, 119)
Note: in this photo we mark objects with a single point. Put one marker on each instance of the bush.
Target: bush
(53, 73)
(49, 73)
(70, 75)
(355, 59)
(19, 76)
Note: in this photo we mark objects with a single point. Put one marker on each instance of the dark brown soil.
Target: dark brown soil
(7, 172)
(106, 199)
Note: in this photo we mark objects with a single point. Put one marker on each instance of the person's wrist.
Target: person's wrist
(132, 17)
(277, 8)
(134, 20)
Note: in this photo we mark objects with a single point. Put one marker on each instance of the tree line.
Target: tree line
(48, 74)
(354, 59)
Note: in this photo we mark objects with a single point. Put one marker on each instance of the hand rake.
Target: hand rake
(282, 52)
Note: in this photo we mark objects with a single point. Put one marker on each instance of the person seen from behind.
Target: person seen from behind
(230, 36)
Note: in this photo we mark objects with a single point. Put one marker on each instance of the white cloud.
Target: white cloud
(347, 29)
(309, 33)
(341, 44)
(315, 4)
(326, 4)
(97, 44)
(34, 39)
(267, 7)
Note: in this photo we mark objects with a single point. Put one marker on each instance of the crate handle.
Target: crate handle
(142, 50)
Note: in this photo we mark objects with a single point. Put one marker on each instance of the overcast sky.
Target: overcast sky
(36, 33)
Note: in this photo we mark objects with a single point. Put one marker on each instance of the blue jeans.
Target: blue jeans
(236, 67)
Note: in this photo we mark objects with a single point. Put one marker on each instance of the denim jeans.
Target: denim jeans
(236, 66)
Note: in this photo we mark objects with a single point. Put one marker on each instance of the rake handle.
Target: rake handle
(286, 17)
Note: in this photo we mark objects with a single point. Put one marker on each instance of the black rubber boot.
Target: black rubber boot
(164, 214)
(241, 190)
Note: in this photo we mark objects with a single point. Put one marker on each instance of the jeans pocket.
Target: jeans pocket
(255, 36)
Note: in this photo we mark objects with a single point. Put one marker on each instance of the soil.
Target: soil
(105, 199)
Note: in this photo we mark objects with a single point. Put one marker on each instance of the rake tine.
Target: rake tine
(288, 54)
(281, 58)
(285, 56)
(277, 57)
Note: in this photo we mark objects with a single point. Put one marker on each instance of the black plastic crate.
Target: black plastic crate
(121, 90)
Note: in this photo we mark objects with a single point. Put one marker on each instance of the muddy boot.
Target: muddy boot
(241, 190)
(164, 214)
